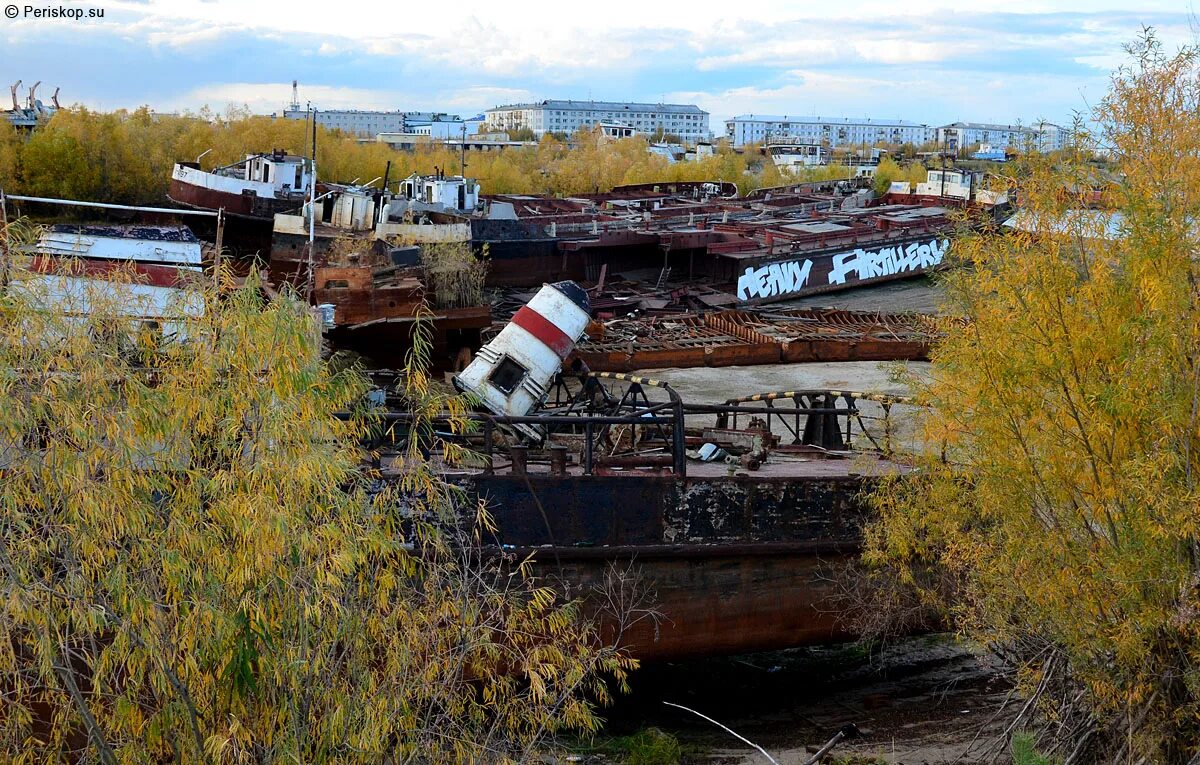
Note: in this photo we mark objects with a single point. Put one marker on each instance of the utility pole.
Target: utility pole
(462, 152)
(312, 212)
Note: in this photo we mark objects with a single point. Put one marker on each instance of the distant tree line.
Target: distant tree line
(127, 156)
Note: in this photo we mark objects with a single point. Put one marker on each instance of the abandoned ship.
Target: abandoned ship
(724, 519)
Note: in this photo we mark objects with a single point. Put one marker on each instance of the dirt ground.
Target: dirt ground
(709, 385)
(706, 385)
(927, 700)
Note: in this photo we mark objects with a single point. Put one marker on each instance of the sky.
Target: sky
(928, 61)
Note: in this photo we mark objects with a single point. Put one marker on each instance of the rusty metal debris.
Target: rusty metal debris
(727, 338)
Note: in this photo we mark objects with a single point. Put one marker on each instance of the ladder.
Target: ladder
(662, 277)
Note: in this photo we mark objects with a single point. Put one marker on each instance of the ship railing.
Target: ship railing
(611, 423)
(481, 437)
(824, 418)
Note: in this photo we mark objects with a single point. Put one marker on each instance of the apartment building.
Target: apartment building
(826, 131)
(687, 121)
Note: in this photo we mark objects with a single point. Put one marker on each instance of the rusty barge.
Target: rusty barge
(730, 516)
(767, 246)
(741, 337)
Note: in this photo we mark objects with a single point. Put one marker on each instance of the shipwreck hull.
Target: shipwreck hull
(731, 338)
(245, 205)
(529, 263)
(735, 563)
(716, 600)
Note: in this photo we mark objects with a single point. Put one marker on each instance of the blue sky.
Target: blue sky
(923, 60)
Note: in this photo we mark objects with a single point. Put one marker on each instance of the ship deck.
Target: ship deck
(845, 465)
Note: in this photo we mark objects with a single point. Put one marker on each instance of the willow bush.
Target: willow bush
(195, 567)
(1064, 519)
(454, 274)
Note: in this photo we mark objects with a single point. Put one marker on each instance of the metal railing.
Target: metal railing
(811, 416)
(619, 426)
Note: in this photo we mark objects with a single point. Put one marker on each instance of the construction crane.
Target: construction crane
(295, 96)
(13, 88)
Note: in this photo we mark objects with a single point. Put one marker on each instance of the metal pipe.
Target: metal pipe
(849, 731)
(517, 455)
(251, 158)
(678, 438)
(4, 246)
(220, 241)
(636, 460)
(108, 206)
(488, 446)
(526, 419)
(736, 410)
(587, 448)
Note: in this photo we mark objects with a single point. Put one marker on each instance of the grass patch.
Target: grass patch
(1025, 753)
(649, 746)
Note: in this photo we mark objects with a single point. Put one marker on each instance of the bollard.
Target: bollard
(558, 460)
(518, 455)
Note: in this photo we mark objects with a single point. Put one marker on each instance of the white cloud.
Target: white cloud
(273, 97)
(999, 59)
(973, 96)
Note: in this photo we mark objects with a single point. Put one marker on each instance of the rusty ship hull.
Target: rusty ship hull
(734, 338)
(246, 205)
(735, 564)
(726, 521)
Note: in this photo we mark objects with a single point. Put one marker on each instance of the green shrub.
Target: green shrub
(1024, 752)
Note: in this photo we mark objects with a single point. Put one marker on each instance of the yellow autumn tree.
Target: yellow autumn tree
(126, 157)
(196, 566)
(1061, 507)
(886, 172)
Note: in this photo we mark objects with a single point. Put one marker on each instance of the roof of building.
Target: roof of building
(991, 126)
(823, 120)
(604, 106)
(444, 118)
(304, 113)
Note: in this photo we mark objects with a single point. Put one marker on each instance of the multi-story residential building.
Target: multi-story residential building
(687, 121)
(370, 123)
(1041, 136)
(1051, 137)
(830, 132)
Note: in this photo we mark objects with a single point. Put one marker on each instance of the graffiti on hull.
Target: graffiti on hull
(789, 277)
